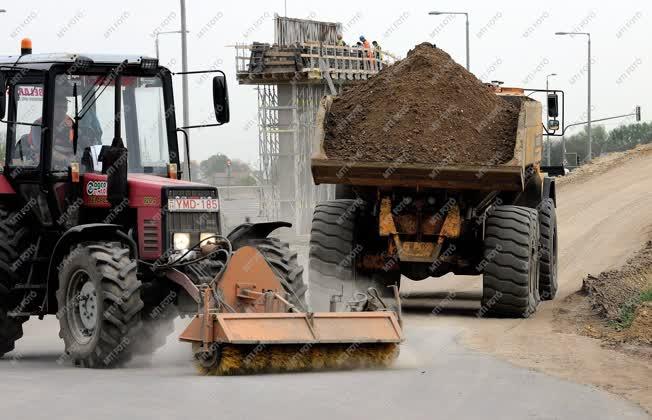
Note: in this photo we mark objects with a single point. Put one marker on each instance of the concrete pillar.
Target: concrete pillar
(286, 163)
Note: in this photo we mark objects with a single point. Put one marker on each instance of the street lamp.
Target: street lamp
(184, 76)
(468, 60)
(588, 109)
(156, 41)
(547, 135)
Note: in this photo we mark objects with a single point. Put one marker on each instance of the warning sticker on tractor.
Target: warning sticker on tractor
(96, 188)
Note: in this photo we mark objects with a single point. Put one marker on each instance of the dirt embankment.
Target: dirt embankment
(614, 306)
(604, 218)
(424, 109)
(603, 164)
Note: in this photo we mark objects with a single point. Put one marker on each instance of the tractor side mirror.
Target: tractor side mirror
(221, 99)
(3, 95)
(553, 105)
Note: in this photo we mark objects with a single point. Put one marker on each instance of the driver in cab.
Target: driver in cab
(63, 133)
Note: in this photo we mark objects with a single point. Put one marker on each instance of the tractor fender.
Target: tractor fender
(549, 190)
(81, 233)
(247, 231)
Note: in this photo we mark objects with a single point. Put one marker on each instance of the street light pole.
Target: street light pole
(184, 69)
(468, 48)
(588, 110)
(589, 152)
(156, 40)
(547, 135)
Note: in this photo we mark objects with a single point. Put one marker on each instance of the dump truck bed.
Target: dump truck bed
(509, 176)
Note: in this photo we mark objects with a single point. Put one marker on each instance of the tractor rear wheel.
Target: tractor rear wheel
(15, 242)
(510, 284)
(99, 304)
(334, 249)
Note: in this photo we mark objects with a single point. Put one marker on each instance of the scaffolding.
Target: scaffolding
(292, 76)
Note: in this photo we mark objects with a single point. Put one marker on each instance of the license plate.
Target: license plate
(193, 204)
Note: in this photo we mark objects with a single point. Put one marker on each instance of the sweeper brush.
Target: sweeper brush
(246, 325)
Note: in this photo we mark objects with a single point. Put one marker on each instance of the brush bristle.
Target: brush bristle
(244, 360)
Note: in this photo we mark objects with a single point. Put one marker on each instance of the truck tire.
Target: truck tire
(548, 256)
(285, 263)
(99, 304)
(510, 284)
(332, 258)
(11, 329)
(15, 241)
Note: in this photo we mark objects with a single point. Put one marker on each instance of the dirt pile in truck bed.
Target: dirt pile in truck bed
(424, 109)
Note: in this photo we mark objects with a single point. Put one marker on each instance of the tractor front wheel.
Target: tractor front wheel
(99, 304)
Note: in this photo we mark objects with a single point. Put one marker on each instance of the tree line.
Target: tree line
(619, 139)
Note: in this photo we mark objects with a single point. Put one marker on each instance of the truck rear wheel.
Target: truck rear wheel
(548, 266)
(510, 285)
(99, 304)
(333, 253)
(11, 329)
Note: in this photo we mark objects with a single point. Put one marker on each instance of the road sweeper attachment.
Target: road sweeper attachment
(247, 324)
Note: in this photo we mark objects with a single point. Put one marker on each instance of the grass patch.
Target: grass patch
(646, 296)
(628, 310)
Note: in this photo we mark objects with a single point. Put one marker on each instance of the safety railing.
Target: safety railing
(309, 60)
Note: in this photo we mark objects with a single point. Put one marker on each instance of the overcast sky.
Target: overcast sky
(512, 41)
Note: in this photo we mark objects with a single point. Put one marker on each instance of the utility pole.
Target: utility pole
(184, 69)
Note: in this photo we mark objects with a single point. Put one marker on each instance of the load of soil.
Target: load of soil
(425, 108)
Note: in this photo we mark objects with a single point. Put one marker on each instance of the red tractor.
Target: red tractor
(96, 224)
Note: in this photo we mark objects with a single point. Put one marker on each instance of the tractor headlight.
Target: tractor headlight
(206, 236)
(181, 241)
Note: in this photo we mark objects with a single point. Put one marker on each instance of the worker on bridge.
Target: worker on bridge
(378, 54)
(368, 51)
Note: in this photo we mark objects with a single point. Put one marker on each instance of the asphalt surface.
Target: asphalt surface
(434, 374)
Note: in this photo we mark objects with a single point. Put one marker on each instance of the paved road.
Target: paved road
(434, 374)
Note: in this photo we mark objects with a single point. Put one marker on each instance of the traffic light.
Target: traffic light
(638, 113)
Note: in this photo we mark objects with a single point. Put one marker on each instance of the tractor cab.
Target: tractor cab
(62, 110)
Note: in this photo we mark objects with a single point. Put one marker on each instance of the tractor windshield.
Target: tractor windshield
(142, 125)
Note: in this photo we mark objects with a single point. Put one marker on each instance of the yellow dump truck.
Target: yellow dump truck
(419, 220)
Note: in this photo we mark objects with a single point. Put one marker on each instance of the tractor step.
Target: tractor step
(29, 287)
(19, 314)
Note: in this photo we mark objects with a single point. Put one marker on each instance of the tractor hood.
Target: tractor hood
(144, 190)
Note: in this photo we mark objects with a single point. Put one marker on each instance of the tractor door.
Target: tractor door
(24, 140)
